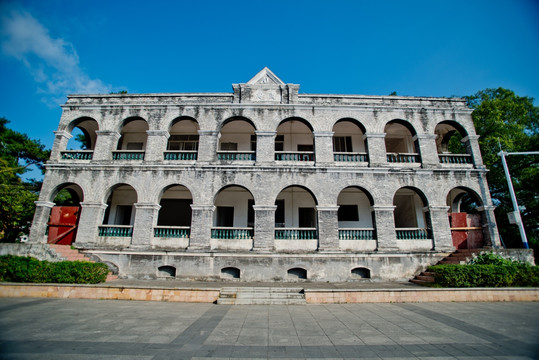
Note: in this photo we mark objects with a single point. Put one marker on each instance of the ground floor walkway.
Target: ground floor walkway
(42, 328)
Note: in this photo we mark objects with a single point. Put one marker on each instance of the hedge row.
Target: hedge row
(30, 270)
(474, 275)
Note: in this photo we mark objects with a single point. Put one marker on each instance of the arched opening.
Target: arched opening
(411, 215)
(132, 142)
(465, 218)
(355, 215)
(234, 213)
(450, 145)
(349, 142)
(401, 143)
(237, 140)
(182, 143)
(166, 271)
(295, 216)
(294, 141)
(174, 218)
(82, 143)
(230, 273)
(65, 214)
(297, 273)
(120, 213)
(361, 273)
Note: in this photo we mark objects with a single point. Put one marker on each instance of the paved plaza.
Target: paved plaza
(32, 328)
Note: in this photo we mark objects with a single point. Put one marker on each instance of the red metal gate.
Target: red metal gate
(63, 225)
(466, 230)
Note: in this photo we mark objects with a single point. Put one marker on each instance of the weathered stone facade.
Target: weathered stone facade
(266, 184)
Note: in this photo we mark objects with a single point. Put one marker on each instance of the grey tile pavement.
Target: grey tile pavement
(104, 329)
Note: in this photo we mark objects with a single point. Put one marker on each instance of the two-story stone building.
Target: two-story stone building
(265, 183)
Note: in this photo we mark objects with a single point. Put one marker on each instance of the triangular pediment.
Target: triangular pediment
(265, 77)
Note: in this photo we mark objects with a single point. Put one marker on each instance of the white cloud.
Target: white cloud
(53, 62)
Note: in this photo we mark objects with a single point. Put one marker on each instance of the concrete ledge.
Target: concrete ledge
(320, 296)
(109, 292)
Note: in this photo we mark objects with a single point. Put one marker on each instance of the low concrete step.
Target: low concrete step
(261, 296)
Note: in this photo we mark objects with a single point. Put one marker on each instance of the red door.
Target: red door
(63, 225)
(466, 230)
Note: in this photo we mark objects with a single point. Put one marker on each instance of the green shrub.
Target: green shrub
(30, 270)
(514, 274)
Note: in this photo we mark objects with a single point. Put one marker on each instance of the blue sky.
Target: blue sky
(419, 48)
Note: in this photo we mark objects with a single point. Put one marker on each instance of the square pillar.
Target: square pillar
(428, 151)
(472, 147)
(91, 216)
(385, 227)
(145, 220)
(156, 145)
(328, 228)
(201, 223)
(39, 224)
(376, 148)
(61, 138)
(441, 229)
(491, 236)
(323, 147)
(207, 145)
(106, 143)
(265, 147)
(264, 227)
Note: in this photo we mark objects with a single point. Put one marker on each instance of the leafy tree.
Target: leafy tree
(510, 122)
(17, 154)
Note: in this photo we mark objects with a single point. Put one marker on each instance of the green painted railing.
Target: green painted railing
(128, 155)
(236, 155)
(402, 158)
(294, 156)
(116, 230)
(350, 157)
(296, 234)
(77, 155)
(172, 231)
(356, 234)
(455, 158)
(232, 233)
(412, 234)
(180, 155)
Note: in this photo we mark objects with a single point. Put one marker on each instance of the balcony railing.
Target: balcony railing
(128, 155)
(350, 157)
(412, 234)
(455, 158)
(402, 158)
(77, 154)
(172, 231)
(180, 155)
(294, 156)
(232, 233)
(236, 155)
(296, 234)
(116, 230)
(356, 234)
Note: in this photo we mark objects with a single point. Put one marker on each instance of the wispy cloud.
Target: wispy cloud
(53, 62)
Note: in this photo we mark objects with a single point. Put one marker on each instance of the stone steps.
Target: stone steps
(65, 252)
(261, 296)
(458, 257)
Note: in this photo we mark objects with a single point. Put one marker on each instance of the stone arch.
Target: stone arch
(297, 273)
(237, 139)
(296, 207)
(294, 140)
(355, 208)
(466, 219)
(120, 200)
(450, 144)
(166, 271)
(175, 201)
(463, 198)
(411, 213)
(133, 131)
(65, 214)
(230, 272)
(234, 207)
(400, 140)
(182, 144)
(348, 136)
(87, 128)
(73, 190)
(360, 273)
